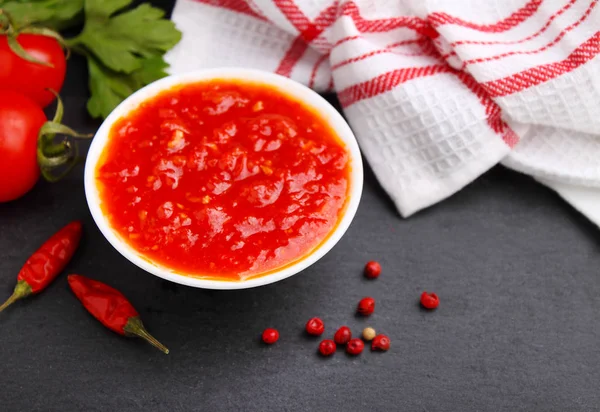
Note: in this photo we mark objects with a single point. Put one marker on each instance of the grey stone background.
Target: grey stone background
(516, 269)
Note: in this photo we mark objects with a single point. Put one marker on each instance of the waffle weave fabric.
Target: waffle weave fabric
(436, 91)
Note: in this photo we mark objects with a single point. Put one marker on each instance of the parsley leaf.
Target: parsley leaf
(122, 41)
(108, 87)
(54, 14)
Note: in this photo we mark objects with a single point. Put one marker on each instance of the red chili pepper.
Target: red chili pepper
(46, 263)
(355, 346)
(380, 342)
(429, 300)
(270, 336)
(111, 308)
(366, 306)
(327, 347)
(315, 327)
(343, 335)
(372, 270)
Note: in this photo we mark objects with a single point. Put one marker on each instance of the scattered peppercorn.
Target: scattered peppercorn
(429, 300)
(315, 327)
(327, 347)
(343, 335)
(380, 342)
(366, 306)
(368, 334)
(355, 346)
(270, 336)
(372, 269)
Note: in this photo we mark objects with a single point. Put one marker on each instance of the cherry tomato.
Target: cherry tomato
(32, 79)
(20, 122)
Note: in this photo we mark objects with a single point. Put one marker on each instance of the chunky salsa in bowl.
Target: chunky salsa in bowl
(224, 179)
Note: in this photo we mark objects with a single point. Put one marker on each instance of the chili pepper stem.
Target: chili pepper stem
(22, 289)
(134, 326)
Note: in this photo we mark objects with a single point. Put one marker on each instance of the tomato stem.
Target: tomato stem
(52, 155)
(9, 28)
(44, 31)
(54, 150)
(7, 21)
(60, 108)
(70, 164)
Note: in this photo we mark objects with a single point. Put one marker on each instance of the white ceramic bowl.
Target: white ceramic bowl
(290, 87)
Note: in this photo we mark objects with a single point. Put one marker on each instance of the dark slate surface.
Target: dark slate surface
(517, 329)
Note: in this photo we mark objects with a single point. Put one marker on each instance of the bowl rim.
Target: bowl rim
(286, 85)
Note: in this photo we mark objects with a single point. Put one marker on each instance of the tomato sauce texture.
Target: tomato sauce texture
(223, 179)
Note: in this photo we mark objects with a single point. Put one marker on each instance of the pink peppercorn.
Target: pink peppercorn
(372, 269)
(327, 347)
(343, 335)
(270, 336)
(366, 306)
(429, 300)
(380, 342)
(315, 327)
(355, 346)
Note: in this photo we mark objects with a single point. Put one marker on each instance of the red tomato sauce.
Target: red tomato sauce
(223, 179)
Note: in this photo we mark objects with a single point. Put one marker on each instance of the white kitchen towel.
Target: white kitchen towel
(436, 91)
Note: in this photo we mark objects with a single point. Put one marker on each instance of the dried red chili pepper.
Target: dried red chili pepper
(111, 308)
(342, 335)
(380, 342)
(430, 300)
(327, 347)
(46, 263)
(366, 306)
(372, 269)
